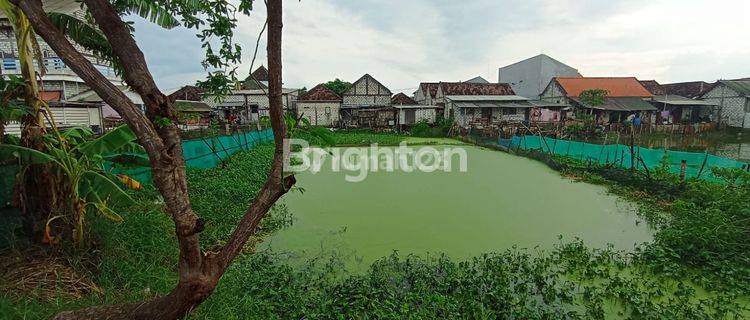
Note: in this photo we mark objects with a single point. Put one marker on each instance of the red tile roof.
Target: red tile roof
(652, 86)
(190, 93)
(616, 87)
(402, 99)
(260, 74)
(475, 89)
(430, 87)
(692, 90)
(320, 93)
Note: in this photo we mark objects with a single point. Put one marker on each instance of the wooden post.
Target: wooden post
(683, 167)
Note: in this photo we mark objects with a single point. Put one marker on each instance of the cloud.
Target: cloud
(402, 43)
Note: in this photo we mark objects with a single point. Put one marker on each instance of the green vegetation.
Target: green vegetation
(701, 243)
(702, 226)
(338, 86)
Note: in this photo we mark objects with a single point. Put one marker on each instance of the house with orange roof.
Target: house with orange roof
(625, 96)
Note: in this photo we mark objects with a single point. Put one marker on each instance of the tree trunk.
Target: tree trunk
(199, 272)
(36, 188)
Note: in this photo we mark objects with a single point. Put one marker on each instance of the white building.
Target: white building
(733, 100)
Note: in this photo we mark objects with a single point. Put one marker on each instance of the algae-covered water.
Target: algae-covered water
(501, 201)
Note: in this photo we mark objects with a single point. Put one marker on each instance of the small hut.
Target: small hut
(321, 106)
(410, 112)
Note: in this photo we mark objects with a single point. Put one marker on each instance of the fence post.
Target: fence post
(683, 168)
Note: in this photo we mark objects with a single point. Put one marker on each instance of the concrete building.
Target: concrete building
(733, 100)
(529, 77)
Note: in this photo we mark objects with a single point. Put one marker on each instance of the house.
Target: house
(426, 92)
(367, 104)
(258, 79)
(410, 112)
(249, 105)
(529, 77)
(674, 108)
(467, 89)
(625, 95)
(690, 90)
(66, 114)
(320, 106)
(481, 104)
(477, 79)
(733, 100)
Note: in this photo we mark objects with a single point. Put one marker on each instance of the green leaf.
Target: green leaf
(151, 10)
(26, 155)
(94, 187)
(86, 36)
(109, 143)
(107, 212)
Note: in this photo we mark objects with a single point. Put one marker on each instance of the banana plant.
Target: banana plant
(79, 163)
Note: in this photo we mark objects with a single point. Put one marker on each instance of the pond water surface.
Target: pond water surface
(500, 202)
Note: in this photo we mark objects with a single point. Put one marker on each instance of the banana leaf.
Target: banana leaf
(128, 159)
(25, 155)
(94, 187)
(110, 142)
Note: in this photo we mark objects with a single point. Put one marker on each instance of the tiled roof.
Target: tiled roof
(430, 87)
(652, 86)
(320, 93)
(616, 87)
(260, 74)
(472, 89)
(191, 93)
(402, 99)
(692, 89)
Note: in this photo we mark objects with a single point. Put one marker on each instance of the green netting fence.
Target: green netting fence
(198, 153)
(698, 164)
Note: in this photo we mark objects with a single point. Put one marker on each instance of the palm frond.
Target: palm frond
(87, 36)
(150, 10)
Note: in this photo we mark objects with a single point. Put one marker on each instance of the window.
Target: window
(328, 110)
(254, 108)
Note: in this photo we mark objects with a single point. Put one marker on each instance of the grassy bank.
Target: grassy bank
(698, 224)
(355, 138)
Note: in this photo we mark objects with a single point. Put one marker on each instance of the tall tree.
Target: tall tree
(338, 86)
(199, 270)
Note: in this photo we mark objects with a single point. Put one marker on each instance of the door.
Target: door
(411, 116)
(487, 113)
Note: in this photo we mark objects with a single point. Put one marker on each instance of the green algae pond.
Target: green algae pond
(501, 201)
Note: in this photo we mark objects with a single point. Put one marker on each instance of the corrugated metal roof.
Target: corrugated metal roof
(620, 104)
(487, 98)
(192, 106)
(676, 100)
(490, 104)
(741, 86)
(414, 106)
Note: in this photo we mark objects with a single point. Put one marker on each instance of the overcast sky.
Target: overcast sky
(402, 43)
